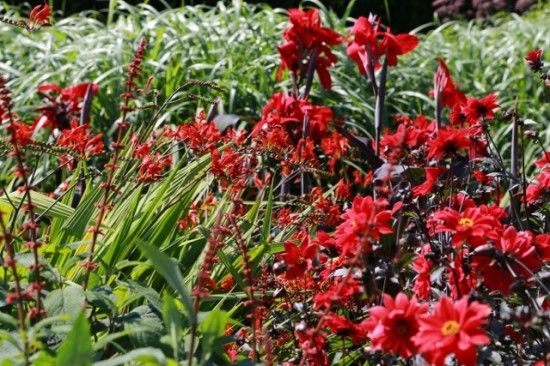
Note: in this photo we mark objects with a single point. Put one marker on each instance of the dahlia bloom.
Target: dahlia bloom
(364, 221)
(474, 225)
(453, 328)
(391, 327)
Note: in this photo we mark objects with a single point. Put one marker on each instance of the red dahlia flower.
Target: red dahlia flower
(521, 256)
(537, 190)
(432, 174)
(365, 220)
(392, 327)
(307, 41)
(474, 225)
(448, 142)
(481, 109)
(453, 328)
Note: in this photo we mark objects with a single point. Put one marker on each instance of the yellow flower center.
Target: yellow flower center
(450, 328)
(465, 221)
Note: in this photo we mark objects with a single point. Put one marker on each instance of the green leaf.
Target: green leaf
(173, 322)
(69, 300)
(77, 347)
(171, 273)
(145, 356)
(212, 328)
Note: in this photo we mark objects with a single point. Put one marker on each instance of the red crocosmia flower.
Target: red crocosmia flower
(152, 167)
(40, 15)
(63, 104)
(448, 142)
(432, 174)
(391, 327)
(21, 133)
(312, 343)
(448, 92)
(453, 328)
(521, 254)
(339, 291)
(365, 220)
(481, 109)
(538, 190)
(200, 136)
(81, 139)
(473, 225)
(534, 60)
(343, 189)
(307, 41)
(422, 284)
(298, 257)
(334, 146)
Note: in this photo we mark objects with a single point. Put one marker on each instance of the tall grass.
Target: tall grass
(235, 46)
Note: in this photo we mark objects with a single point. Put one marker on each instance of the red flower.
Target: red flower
(538, 190)
(298, 258)
(534, 60)
(542, 243)
(478, 109)
(365, 220)
(334, 146)
(64, 104)
(369, 44)
(474, 225)
(521, 256)
(448, 142)
(444, 85)
(152, 167)
(40, 15)
(453, 328)
(391, 327)
(307, 41)
(80, 138)
(432, 174)
(345, 328)
(200, 136)
(422, 284)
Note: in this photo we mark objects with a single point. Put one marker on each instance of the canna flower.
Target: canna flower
(392, 327)
(445, 87)
(534, 60)
(40, 16)
(454, 328)
(370, 43)
(306, 41)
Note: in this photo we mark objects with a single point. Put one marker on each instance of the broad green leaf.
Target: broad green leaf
(69, 300)
(143, 356)
(77, 347)
(171, 273)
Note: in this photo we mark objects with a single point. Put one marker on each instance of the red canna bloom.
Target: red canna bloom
(40, 15)
(392, 327)
(448, 142)
(454, 328)
(481, 109)
(445, 88)
(307, 41)
(534, 60)
(63, 104)
(521, 259)
(474, 225)
(369, 44)
(365, 220)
